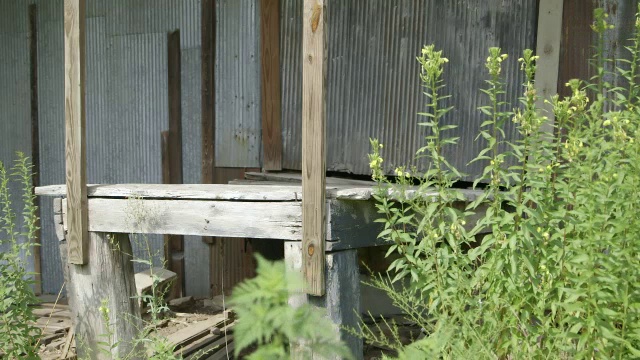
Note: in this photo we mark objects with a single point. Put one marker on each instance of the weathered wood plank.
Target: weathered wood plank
(236, 191)
(174, 244)
(342, 297)
(295, 177)
(184, 337)
(264, 220)
(75, 143)
(88, 285)
(208, 56)
(185, 191)
(270, 84)
(313, 145)
(174, 82)
(548, 49)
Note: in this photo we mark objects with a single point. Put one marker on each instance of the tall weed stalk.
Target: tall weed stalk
(18, 333)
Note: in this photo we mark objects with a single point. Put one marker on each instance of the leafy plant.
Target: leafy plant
(18, 332)
(266, 320)
(548, 265)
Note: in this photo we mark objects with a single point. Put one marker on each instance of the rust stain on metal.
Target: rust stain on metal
(315, 17)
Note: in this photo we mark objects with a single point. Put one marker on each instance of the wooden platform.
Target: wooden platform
(264, 209)
(266, 206)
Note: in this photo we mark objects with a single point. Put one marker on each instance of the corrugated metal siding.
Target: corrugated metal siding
(15, 108)
(126, 101)
(238, 126)
(51, 123)
(373, 89)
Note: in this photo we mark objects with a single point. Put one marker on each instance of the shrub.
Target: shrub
(266, 320)
(558, 273)
(18, 333)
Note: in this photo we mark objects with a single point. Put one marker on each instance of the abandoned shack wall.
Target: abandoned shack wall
(127, 101)
(373, 88)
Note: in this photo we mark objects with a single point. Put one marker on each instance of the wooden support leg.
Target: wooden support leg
(108, 276)
(342, 297)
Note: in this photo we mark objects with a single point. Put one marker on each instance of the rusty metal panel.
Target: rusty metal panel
(373, 89)
(237, 67)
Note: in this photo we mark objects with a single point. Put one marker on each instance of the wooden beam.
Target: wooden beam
(35, 137)
(174, 244)
(576, 46)
(548, 49)
(175, 106)
(75, 140)
(270, 84)
(263, 220)
(208, 58)
(313, 146)
(109, 278)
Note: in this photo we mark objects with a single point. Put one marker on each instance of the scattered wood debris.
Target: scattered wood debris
(197, 331)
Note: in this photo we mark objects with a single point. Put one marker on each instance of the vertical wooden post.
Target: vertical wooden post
(35, 135)
(75, 141)
(270, 84)
(548, 49)
(108, 277)
(208, 57)
(576, 45)
(313, 146)
(174, 244)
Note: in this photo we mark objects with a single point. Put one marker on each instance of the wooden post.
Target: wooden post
(313, 146)
(576, 45)
(174, 244)
(208, 57)
(229, 263)
(342, 298)
(108, 277)
(270, 84)
(75, 141)
(35, 136)
(548, 49)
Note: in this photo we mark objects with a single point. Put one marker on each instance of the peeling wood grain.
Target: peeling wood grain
(270, 84)
(548, 49)
(75, 140)
(262, 220)
(314, 72)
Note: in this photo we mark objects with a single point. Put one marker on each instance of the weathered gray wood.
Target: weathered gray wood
(238, 191)
(185, 191)
(296, 178)
(342, 297)
(108, 276)
(263, 220)
(351, 223)
(75, 139)
(548, 49)
(256, 191)
(58, 221)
